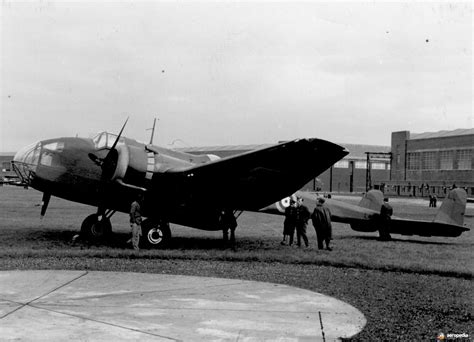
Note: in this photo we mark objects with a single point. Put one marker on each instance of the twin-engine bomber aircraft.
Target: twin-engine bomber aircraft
(109, 171)
(448, 222)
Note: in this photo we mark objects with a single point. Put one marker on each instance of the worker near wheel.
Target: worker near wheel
(136, 221)
(228, 222)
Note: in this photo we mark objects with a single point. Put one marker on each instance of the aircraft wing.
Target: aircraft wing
(251, 180)
(425, 228)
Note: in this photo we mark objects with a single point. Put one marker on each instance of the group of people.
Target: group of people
(297, 216)
(433, 200)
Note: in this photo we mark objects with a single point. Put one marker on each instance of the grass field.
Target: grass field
(411, 288)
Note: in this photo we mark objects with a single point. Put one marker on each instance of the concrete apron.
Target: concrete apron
(112, 306)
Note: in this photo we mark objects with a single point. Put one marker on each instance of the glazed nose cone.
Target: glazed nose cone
(26, 161)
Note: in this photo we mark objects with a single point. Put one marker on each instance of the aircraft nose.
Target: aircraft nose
(26, 160)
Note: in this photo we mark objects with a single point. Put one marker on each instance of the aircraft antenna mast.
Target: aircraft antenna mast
(152, 131)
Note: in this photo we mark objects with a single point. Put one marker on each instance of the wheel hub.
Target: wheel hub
(97, 229)
(155, 236)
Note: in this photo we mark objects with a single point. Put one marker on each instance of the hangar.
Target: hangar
(6, 170)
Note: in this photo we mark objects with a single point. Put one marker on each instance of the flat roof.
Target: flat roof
(355, 151)
(442, 134)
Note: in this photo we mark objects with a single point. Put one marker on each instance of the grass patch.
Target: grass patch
(411, 288)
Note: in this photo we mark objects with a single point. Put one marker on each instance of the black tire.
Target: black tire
(94, 230)
(155, 234)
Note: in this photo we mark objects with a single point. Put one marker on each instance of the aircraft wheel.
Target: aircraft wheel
(155, 234)
(94, 230)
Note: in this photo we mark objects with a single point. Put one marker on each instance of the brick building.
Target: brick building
(432, 162)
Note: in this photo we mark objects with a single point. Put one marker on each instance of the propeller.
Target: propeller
(108, 165)
(44, 203)
(102, 162)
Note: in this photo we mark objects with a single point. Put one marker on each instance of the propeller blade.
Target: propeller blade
(44, 203)
(108, 166)
(109, 163)
(119, 135)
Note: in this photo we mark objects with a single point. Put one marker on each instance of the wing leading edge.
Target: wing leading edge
(254, 179)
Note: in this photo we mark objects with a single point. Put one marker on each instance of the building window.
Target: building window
(446, 160)
(388, 167)
(360, 164)
(429, 160)
(414, 161)
(343, 164)
(464, 159)
(377, 166)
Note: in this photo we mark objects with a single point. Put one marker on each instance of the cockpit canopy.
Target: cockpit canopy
(105, 140)
(28, 158)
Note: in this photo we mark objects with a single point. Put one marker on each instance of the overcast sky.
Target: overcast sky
(234, 73)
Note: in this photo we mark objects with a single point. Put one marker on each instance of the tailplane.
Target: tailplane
(453, 208)
(372, 200)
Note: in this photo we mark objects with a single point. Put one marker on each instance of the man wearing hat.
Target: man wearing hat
(302, 217)
(321, 218)
(289, 223)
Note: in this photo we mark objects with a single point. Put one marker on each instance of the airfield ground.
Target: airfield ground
(411, 288)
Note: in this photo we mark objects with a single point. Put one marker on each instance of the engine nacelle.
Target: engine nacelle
(134, 166)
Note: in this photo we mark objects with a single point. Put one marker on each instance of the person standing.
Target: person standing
(136, 221)
(289, 223)
(228, 222)
(322, 224)
(384, 220)
(301, 222)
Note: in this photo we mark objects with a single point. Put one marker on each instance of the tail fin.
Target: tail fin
(453, 208)
(372, 200)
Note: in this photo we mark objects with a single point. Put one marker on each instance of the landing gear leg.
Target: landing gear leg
(96, 228)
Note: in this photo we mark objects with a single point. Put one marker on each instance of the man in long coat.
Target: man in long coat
(321, 218)
(289, 224)
(302, 217)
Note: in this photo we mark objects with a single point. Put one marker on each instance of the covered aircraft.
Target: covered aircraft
(363, 217)
(109, 171)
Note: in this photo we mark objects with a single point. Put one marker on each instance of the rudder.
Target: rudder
(372, 200)
(453, 208)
